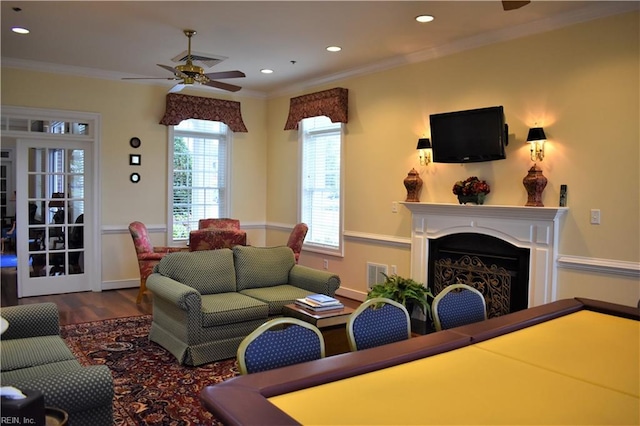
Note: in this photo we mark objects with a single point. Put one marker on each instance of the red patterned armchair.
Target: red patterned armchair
(222, 223)
(213, 239)
(148, 255)
(296, 239)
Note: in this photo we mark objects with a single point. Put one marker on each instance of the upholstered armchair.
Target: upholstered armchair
(221, 223)
(213, 234)
(148, 255)
(296, 239)
(213, 239)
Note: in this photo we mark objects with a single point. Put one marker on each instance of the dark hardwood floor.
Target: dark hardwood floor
(88, 306)
(76, 308)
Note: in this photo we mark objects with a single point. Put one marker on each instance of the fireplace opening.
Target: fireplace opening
(498, 269)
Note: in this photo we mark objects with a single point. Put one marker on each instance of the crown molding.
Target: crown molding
(24, 64)
(589, 13)
(594, 11)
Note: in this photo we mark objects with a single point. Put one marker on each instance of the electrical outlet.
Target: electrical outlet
(394, 207)
(595, 216)
(325, 263)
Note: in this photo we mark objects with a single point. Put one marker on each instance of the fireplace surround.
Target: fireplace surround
(537, 229)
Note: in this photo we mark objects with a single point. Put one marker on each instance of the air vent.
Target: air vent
(205, 60)
(374, 274)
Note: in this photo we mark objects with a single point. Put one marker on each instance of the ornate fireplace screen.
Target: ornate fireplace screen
(493, 282)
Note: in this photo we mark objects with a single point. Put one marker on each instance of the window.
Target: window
(199, 182)
(321, 183)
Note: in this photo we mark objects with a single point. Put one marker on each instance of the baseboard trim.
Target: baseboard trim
(120, 284)
(351, 294)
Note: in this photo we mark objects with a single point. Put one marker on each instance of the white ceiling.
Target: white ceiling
(116, 39)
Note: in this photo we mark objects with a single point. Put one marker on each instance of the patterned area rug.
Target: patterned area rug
(151, 388)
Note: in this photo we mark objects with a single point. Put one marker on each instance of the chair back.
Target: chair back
(296, 239)
(140, 236)
(456, 305)
(278, 343)
(219, 223)
(214, 239)
(377, 322)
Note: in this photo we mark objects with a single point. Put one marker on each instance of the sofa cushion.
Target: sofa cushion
(262, 266)
(230, 308)
(277, 296)
(52, 368)
(208, 271)
(33, 351)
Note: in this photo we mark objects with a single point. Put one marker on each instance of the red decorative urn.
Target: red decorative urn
(534, 182)
(413, 183)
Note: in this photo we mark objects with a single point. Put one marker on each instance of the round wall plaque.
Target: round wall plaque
(134, 177)
(135, 142)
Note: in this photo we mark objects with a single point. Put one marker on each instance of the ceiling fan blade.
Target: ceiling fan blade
(178, 87)
(167, 67)
(175, 72)
(512, 5)
(223, 86)
(150, 78)
(225, 74)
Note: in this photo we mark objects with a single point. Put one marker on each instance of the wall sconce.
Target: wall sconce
(424, 148)
(535, 182)
(536, 138)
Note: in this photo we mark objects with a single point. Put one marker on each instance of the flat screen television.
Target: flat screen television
(469, 136)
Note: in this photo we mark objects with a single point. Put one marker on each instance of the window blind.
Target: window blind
(321, 181)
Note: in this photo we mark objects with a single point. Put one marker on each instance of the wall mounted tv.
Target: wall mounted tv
(469, 136)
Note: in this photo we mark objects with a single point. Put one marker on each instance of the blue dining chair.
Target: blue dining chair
(280, 342)
(456, 305)
(376, 322)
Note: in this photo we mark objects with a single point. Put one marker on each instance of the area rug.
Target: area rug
(151, 388)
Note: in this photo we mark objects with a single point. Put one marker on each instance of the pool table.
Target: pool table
(573, 361)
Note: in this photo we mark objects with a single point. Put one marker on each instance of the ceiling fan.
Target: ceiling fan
(512, 5)
(191, 74)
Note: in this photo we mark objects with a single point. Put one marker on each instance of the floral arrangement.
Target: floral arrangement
(471, 186)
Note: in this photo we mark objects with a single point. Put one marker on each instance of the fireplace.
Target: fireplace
(498, 269)
(533, 233)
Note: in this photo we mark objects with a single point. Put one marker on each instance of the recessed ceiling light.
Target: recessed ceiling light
(334, 48)
(424, 18)
(266, 71)
(20, 30)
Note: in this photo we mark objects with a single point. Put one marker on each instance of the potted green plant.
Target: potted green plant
(406, 291)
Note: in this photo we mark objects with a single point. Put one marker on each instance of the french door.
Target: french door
(54, 216)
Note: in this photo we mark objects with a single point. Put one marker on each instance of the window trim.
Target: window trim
(228, 187)
(308, 246)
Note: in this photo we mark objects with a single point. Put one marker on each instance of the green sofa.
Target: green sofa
(33, 356)
(206, 302)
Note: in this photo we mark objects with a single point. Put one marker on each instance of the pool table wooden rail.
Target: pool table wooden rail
(243, 400)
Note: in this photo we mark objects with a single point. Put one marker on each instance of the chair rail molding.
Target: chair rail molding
(603, 266)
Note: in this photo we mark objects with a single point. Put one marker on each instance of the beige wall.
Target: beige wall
(580, 83)
(128, 110)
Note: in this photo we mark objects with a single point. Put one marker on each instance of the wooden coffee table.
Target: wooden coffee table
(330, 323)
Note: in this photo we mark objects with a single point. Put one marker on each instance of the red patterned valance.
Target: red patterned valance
(183, 107)
(333, 103)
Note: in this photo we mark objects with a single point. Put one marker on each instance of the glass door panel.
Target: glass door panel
(56, 202)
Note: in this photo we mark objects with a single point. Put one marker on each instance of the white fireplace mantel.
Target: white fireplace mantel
(535, 228)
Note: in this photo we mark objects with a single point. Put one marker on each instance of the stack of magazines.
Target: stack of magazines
(319, 303)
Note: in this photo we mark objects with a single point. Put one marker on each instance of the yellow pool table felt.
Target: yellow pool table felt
(581, 368)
